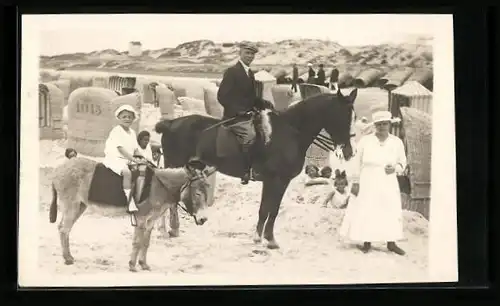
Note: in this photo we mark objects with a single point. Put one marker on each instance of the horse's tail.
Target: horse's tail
(53, 206)
(163, 126)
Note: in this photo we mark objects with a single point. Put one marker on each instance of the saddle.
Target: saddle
(145, 174)
(227, 143)
(106, 186)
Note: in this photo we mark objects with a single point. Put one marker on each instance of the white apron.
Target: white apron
(376, 214)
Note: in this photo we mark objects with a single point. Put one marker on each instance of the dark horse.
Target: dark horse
(281, 159)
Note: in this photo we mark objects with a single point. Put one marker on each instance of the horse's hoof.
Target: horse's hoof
(144, 266)
(257, 238)
(69, 261)
(173, 233)
(273, 245)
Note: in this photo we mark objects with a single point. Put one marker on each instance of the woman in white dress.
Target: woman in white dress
(375, 215)
(120, 148)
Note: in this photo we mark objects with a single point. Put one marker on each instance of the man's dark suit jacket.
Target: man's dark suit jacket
(321, 77)
(237, 91)
(295, 74)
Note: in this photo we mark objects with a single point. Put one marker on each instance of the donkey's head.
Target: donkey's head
(194, 194)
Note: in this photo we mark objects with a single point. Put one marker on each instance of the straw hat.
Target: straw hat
(382, 116)
(126, 107)
(249, 46)
(309, 65)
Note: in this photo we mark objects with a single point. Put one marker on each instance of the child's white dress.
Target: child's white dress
(146, 152)
(118, 137)
(340, 199)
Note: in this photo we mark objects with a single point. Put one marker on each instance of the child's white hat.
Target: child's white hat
(126, 107)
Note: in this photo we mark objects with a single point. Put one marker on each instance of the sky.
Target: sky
(85, 33)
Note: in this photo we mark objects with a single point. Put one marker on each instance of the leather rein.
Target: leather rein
(322, 141)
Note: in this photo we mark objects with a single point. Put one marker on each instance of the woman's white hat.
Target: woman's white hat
(126, 107)
(381, 116)
(309, 64)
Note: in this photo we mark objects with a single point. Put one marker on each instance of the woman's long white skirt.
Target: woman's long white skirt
(376, 214)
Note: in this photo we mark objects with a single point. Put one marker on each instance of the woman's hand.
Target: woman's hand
(389, 169)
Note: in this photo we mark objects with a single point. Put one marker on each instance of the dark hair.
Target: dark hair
(324, 171)
(142, 134)
(69, 151)
(309, 167)
(340, 177)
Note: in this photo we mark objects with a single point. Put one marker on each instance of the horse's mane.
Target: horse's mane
(308, 100)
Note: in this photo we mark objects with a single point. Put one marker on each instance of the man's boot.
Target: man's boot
(248, 165)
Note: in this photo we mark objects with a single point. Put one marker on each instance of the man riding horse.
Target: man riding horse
(237, 94)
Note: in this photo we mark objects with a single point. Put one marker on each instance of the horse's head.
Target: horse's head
(194, 194)
(341, 121)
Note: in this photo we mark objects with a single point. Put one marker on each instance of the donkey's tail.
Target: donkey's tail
(53, 206)
(163, 126)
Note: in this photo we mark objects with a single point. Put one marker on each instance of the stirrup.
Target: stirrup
(133, 219)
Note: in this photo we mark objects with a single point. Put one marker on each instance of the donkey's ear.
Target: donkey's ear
(352, 96)
(343, 174)
(337, 172)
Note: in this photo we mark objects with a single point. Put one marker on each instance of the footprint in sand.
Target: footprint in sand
(259, 256)
(103, 261)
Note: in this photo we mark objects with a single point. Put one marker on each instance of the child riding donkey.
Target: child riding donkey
(121, 149)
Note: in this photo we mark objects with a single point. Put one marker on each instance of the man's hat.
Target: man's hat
(249, 46)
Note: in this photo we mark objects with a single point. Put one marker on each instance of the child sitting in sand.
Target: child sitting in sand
(326, 172)
(70, 153)
(311, 171)
(313, 176)
(339, 197)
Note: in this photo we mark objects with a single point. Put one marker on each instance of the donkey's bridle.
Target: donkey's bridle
(184, 186)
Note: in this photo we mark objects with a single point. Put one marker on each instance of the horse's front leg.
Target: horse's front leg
(262, 219)
(272, 196)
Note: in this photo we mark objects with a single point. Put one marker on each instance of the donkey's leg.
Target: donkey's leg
(276, 190)
(174, 222)
(162, 227)
(137, 242)
(70, 215)
(144, 250)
